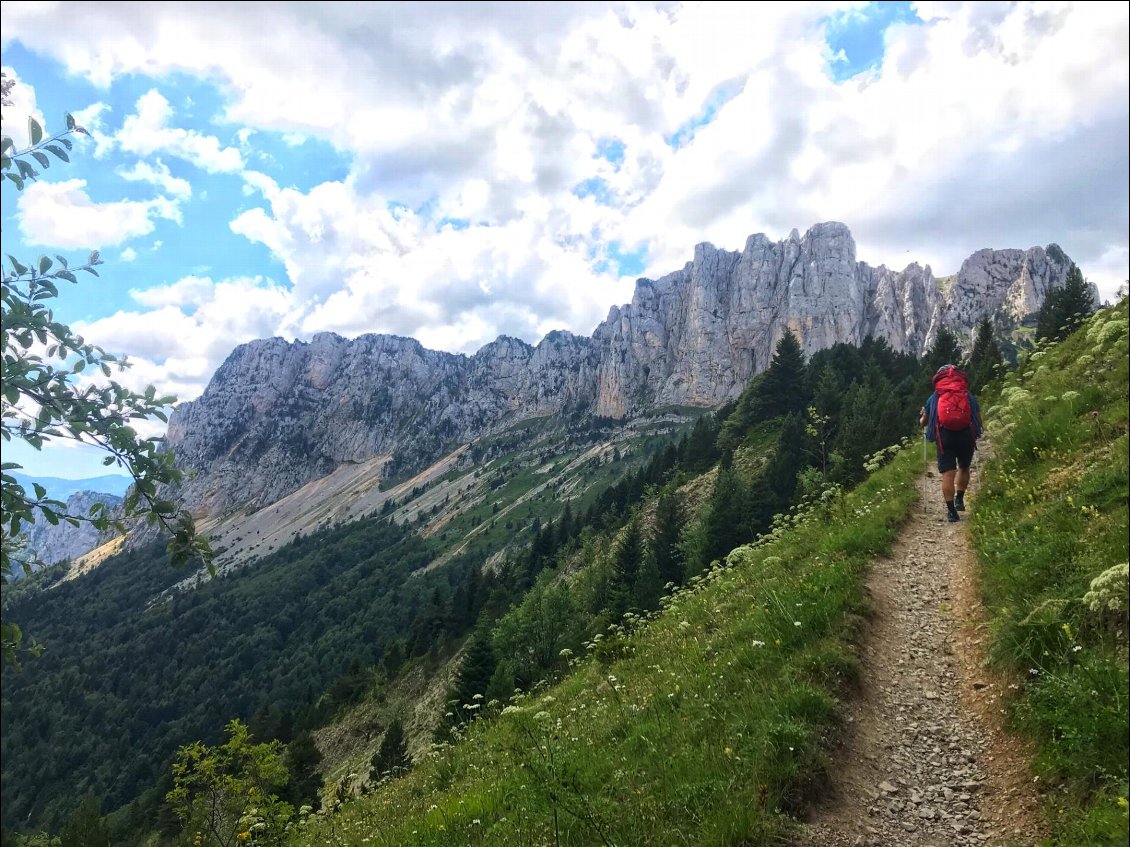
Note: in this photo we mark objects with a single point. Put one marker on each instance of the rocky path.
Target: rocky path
(924, 762)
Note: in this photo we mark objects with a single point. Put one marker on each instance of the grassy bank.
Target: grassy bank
(1051, 530)
(707, 724)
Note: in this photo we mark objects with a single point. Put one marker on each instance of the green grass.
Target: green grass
(1051, 517)
(707, 724)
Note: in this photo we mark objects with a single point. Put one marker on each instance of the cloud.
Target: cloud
(158, 174)
(470, 131)
(23, 107)
(359, 265)
(147, 132)
(62, 215)
(92, 119)
(185, 330)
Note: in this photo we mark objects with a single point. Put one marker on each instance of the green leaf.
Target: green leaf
(70, 119)
(19, 182)
(34, 131)
(109, 460)
(67, 275)
(41, 158)
(58, 151)
(26, 170)
(6, 144)
(16, 266)
(45, 264)
(40, 491)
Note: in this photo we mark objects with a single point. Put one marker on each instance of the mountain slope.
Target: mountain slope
(1052, 534)
(713, 721)
(277, 416)
(708, 724)
(61, 489)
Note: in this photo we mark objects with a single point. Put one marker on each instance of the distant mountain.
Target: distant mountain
(63, 542)
(62, 489)
(279, 416)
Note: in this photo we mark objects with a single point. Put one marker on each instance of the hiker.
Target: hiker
(952, 417)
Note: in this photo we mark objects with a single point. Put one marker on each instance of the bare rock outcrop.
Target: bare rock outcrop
(278, 415)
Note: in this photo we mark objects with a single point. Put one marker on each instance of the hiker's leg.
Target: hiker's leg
(964, 459)
(962, 479)
(948, 486)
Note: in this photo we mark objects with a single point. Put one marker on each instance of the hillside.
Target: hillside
(142, 658)
(716, 720)
(541, 567)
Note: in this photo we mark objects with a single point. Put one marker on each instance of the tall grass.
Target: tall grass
(1050, 527)
(706, 724)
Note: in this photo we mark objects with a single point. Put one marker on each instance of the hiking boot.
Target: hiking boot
(959, 502)
(951, 515)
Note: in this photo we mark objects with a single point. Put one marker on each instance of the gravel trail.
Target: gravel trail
(924, 762)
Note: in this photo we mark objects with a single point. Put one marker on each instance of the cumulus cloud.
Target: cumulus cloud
(23, 107)
(62, 215)
(158, 174)
(185, 330)
(147, 132)
(480, 199)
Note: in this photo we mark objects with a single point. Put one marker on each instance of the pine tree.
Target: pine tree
(473, 676)
(664, 546)
(86, 827)
(986, 356)
(782, 389)
(302, 761)
(649, 587)
(1065, 308)
(626, 560)
(392, 757)
(726, 524)
(945, 351)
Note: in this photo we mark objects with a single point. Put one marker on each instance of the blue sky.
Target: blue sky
(263, 169)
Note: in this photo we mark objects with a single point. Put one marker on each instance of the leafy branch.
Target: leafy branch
(41, 372)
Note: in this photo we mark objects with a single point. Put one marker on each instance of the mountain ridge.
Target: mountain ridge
(278, 415)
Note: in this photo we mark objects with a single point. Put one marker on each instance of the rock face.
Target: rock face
(1012, 283)
(64, 542)
(277, 415)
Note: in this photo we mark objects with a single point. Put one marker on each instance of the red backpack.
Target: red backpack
(952, 387)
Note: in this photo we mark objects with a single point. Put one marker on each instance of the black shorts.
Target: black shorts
(955, 449)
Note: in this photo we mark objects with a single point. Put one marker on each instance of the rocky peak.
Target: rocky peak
(278, 415)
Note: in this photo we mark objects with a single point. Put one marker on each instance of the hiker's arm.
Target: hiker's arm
(922, 416)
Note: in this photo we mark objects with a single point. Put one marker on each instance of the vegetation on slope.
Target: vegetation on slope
(1051, 529)
(705, 722)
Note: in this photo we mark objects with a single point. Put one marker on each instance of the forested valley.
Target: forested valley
(134, 670)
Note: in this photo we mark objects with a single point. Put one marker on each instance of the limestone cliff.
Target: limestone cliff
(278, 415)
(62, 542)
